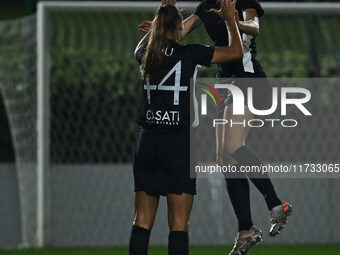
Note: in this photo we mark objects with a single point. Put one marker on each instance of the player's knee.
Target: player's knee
(145, 225)
(232, 146)
(179, 226)
(143, 221)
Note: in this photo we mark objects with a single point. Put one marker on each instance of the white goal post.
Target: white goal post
(43, 77)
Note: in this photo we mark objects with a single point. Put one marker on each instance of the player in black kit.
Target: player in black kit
(231, 148)
(162, 160)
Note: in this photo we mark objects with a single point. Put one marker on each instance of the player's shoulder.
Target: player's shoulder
(250, 4)
(208, 4)
(184, 49)
(195, 46)
(199, 53)
(197, 49)
(140, 52)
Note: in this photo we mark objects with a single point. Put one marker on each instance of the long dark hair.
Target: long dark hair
(165, 23)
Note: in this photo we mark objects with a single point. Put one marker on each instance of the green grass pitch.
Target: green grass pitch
(195, 250)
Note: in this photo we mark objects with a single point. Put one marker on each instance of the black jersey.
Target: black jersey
(165, 98)
(217, 31)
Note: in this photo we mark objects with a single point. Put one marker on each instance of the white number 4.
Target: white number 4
(176, 88)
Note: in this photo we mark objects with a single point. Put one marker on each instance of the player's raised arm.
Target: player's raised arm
(235, 50)
(189, 24)
(250, 25)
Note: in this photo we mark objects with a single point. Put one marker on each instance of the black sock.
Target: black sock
(139, 241)
(238, 190)
(178, 243)
(247, 157)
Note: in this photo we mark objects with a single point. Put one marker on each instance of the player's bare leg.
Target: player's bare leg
(229, 140)
(145, 212)
(145, 209)
(179, 209)
(235, 146)
(238, 188)
(235, 135)
(222, 158)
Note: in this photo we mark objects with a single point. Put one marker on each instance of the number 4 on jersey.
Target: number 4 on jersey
(176, 88)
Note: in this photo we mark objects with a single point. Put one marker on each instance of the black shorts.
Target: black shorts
(258, 82)
(162, 163)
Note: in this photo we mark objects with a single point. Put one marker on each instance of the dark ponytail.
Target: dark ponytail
(165, 23)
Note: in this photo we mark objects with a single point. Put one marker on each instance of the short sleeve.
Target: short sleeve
(140, 52)
(200, 10)
(252, 4)
(201, 54)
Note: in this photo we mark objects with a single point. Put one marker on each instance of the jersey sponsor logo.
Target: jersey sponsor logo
(162, 117)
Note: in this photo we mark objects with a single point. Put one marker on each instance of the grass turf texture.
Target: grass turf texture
(196, 250)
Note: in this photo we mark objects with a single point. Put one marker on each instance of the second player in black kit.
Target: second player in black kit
(245, 73)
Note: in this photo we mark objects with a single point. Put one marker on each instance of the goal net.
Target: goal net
(18, 88)
(75, 177)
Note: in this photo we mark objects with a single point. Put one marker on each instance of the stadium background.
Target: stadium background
(91, 184)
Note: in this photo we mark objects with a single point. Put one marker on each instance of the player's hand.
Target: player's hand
(227, 11)
(145, 26)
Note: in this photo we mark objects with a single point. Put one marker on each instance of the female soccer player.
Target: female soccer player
(231, 148)
(161, 164)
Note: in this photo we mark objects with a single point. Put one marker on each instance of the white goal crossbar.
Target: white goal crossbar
(272, 7)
